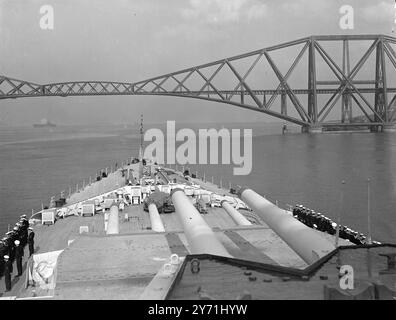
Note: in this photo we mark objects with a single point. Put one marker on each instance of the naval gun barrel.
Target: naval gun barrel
(235, 214)
(113, 222)
(306, 242)
(155, 219)
(200, 236)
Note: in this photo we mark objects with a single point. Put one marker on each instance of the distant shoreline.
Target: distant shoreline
(146, 123)
(73, 137)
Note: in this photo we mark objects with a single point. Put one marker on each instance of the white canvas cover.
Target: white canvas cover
(48, 216)
(205, 198)
(42, 270)
(136, 191)
(88, 209)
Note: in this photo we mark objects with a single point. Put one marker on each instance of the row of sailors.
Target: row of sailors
(21, 234)
(324, 224)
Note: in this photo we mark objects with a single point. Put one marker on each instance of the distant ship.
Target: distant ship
(44, 123)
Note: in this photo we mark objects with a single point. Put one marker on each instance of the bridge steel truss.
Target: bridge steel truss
(312, 114)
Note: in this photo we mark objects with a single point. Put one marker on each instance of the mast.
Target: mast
(141, 138)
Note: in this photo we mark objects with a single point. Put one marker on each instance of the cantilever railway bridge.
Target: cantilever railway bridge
(222, 81)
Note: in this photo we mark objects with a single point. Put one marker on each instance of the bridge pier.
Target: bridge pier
(313, 129)
(389, 127)
(375, 128)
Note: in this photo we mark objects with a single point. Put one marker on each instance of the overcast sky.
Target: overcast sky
(123, 40)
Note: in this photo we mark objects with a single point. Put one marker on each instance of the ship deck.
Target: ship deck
(93, 264)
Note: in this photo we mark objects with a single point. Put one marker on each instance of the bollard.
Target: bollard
(155, 219)
(200, 236)
(235, 214)
(307, 243)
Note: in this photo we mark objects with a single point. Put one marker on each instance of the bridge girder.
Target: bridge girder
(248, 94)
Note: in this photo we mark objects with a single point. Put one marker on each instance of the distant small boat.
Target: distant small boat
(44, 123)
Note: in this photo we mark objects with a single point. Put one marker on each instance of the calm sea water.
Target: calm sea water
(36, 164)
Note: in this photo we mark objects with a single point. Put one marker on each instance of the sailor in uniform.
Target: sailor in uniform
(12, 235)
(31, 241)
(7, 272)
(25, 225)
(18, 256)
(3, 252)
